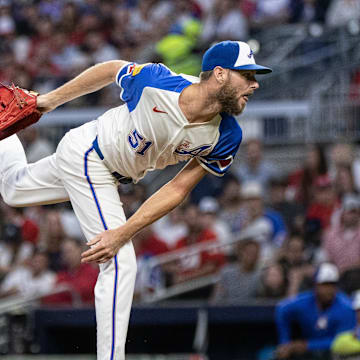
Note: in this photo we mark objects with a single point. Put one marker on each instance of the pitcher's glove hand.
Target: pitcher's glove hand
(18, 109)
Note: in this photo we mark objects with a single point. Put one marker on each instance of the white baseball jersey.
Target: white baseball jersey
(150, 131)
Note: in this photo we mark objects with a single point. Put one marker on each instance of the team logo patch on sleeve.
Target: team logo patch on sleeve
(138, 68)
(130, 68)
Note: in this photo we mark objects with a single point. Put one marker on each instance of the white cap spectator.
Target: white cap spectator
(208, 205)
(251, 189)
(327, 273)
(7, 25)
(356, 301)
(351, 202)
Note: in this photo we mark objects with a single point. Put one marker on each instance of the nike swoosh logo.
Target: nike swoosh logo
(159, 111)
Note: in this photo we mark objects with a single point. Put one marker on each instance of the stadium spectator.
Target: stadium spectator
(51, 9)
(307, 11)
(14, 251)
(232, 209)
(295, 261)
(31, 280)
(292, 212)
(346, 345)
(248, 8)
(238, 281)
(292, 254)
(141, 22)
(97, 49)
(7, 23)
(162, 10)
(301, 181)
(37, 147)
(224, 21)
(341, 12)
(324, 202)
(344, 182)
(69, 17)
(29, 229)
(147, 245)
(271, 13)
(321, 314)
(273, 283)
(132, 197)
(171, 227)
(209, 210)
(51, 236)
(88, 22)
(264, 225)
(67, 57)
(203, 263)
(342, 158)
(209, 185)
(256, 168)
(341, 241)
(78, 279)
(27, 18)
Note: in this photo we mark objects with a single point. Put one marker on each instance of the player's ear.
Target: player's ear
(220, 74)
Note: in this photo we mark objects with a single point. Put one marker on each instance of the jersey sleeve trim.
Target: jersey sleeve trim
(120, 74)
(222, 155)
(203, 165)
(125, 70)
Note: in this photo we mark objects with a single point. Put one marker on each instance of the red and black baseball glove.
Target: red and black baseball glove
(18, 109)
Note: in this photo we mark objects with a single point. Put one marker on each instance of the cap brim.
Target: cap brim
(258, 68)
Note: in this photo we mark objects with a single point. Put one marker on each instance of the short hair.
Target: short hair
(205, 75)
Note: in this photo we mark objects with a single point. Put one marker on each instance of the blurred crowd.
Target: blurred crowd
(260, 234)
(46, 42)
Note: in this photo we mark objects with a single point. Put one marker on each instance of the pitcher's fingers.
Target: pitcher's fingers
(92, 251)
(93, 256)
(94, 241)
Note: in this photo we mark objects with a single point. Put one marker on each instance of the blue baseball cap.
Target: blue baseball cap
(235, 55)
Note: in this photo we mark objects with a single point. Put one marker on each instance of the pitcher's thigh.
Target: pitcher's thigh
(33, 184)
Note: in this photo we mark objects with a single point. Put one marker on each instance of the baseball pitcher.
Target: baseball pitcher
(166, 118)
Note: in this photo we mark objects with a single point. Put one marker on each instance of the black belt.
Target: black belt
(121, 178)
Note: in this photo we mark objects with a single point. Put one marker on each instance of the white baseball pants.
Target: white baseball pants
(76, 173)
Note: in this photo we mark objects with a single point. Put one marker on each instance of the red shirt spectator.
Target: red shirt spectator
(342, 241)
(78, 279)
(202, 263)
(325, 201)
(80, 282)
(30, 231)
(148, 244)
(301, 182)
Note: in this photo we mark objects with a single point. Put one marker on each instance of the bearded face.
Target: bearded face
(228, 98)
(233, 95)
